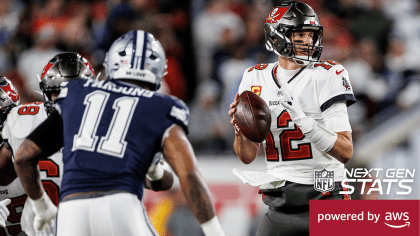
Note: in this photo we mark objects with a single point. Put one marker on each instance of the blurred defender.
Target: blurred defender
(310, 129)
(110, 131)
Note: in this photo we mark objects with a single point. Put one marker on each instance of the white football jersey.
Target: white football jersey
(21, 121)
(288, 154)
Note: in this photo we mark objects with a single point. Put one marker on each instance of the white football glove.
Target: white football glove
(292, 106)
(156, 170)
(45, 211)
(323, 138)
(28, 218)
(48, 231)
(4, 212)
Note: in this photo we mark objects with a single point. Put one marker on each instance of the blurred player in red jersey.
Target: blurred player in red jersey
(310, 129)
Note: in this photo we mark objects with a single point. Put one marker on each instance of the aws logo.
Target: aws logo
(397, 216)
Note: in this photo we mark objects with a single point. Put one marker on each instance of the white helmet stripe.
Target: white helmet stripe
(143, 53)
(133, 55)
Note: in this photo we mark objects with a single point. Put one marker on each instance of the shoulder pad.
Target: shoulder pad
(179, 110)
(178, 101)
(30, 108)
(326, 65)
(26, 118)
(258, 67)
(261, 67)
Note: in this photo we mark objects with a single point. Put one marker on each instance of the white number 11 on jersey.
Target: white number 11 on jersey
(113, 143)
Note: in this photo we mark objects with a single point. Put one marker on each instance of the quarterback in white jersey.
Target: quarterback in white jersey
(310, 133)
(317, 87)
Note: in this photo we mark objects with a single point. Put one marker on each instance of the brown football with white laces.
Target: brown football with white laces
(253, 117)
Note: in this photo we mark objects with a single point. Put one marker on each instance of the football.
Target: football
(253, 117)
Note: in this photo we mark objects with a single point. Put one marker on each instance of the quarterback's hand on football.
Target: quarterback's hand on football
(45, 212)
(232, 109)
(4, 212)
(156, 170)
(292, 106)
(232, 112)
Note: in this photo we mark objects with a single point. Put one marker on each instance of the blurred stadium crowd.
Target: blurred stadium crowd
(209, 43)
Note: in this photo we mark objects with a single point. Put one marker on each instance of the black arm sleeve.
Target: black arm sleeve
(49, 134)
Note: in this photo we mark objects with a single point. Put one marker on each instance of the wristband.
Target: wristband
(212, 227)
(321, 137)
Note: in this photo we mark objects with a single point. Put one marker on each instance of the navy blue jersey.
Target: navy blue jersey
(111, 131)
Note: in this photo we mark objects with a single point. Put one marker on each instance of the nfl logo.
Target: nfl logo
(324, 180)
(279, 93)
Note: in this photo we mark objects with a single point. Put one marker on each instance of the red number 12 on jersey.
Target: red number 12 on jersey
(303, 150)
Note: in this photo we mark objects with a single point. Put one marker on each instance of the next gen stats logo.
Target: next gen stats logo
(379, 181)
(374, 180)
